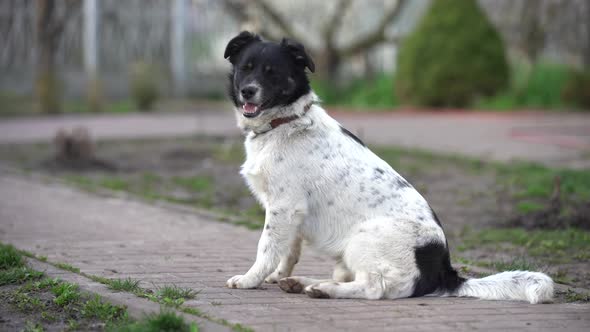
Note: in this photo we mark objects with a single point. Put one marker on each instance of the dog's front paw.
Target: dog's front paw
(240, 281)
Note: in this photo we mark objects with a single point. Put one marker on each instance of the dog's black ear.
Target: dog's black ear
(298, 52)
(240, 41)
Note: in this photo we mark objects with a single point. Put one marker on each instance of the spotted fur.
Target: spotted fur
(318, 182)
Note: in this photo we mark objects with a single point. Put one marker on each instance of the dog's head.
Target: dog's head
(266, 74)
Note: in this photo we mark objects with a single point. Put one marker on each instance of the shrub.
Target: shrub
(577, 89)
(144, 86)
(95, 96)
(537, 86)
(374, 93)
(453, 56)
(544, 86)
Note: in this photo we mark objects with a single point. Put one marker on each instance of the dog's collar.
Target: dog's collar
(281, 121)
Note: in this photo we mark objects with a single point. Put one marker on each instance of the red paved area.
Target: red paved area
(554, 139)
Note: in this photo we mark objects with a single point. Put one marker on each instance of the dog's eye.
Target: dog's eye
(247, 67)
(268, 69)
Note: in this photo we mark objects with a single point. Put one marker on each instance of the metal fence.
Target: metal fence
(182, 38)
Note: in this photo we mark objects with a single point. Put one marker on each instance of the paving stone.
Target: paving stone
(119, 238)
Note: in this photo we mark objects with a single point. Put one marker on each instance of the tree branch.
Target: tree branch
(278, 20)
(239, 11)
(333, 24)
(377, 35)
(58, 25)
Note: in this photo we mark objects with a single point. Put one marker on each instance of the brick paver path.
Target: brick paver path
(118, 238)
(554, 139)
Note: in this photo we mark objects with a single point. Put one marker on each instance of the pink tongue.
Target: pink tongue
(250, 108)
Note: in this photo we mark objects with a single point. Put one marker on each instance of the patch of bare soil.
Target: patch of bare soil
(554, 215)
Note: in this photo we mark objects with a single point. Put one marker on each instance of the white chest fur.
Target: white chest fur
(255, 173)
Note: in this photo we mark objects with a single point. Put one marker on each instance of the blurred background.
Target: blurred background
(483, 105)
(61, 56)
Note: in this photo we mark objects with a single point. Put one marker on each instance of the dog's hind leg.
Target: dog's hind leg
(298, 284)
(365, 286)
(287, 263)
(342, 273)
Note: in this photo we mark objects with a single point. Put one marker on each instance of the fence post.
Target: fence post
(90, 38)
(177, 54)
(94, 95)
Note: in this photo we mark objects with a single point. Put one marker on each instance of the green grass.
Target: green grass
(416, 160)
(232, 152)
(67, 267)
(201, 189)
(10, 257)
(81, 181)
(536, 181)
(80, 106)
(528, 207)
(174, 295)
(68, 303)
(163, 322)
(68, 296)
(195, 183)
(45, 283)
(573, 296)
(561, 277)
(103, 311)
(115, 183)
(13, 269)
(528, 185)
(26, 303)
(65, 293)
(18, 275)
(516, 264)
(33, 327)
(124, 285)
(558, 244)
(13, 105)
(252, 225)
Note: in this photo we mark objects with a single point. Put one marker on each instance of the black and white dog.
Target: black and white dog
(320, 183)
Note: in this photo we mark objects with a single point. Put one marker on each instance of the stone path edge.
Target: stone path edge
(137, 307)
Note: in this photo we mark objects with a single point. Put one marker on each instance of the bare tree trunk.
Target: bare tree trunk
(47, 83)
(586, 56)
(533, 38)
(328, 61)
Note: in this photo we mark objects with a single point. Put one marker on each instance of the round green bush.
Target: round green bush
(453, 56)
(144, 85)
(576, 91)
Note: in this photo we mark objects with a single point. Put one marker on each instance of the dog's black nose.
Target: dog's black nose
(249, 91)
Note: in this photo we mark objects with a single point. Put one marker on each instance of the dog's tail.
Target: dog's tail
(534, 287)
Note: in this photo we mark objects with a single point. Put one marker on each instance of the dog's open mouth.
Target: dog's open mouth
(251, 110)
